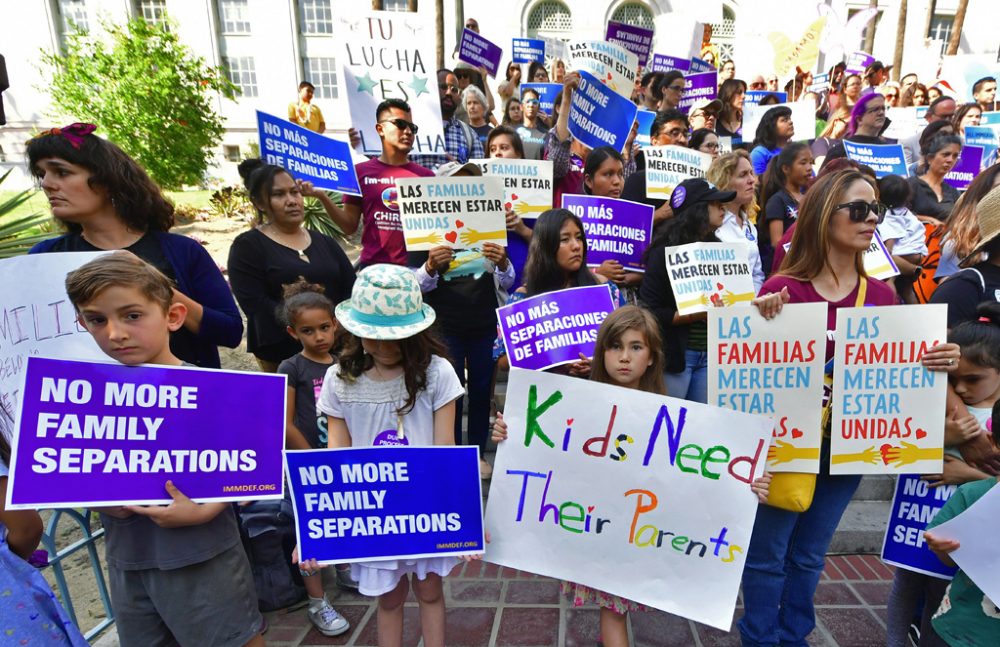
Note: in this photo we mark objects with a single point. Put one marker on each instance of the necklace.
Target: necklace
(274, 234)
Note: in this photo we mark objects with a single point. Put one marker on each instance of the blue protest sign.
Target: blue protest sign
(645, 119)
(546, 94)
(701, 85)
(986, 137)
(913, 506)
(528, 50)
(753, 97)
(989, 119)
(617, 230)
(969, 163)
(664, 63)
(600, 116)
(383, 503)
(698, 66)
(476, 50)
(821, 83)
(885, 159)
(635, 39)
(308, 156)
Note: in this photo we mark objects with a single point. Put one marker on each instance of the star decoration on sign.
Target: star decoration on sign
(418, 85)
(366, 84)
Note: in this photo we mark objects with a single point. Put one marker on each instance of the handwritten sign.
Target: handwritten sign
(599, 116)
(878, 260)
(885, 159)
(458, 212)
(753, 97)
(385, 503)
(528, 50)
(527, 184)
(595, 484)
(698, 86)
(773, 368)
(664, 63)
(709, 275)
(617, 230)
(613, 65)
(888, 410)
(308, 156)
(38, 319)
(104, 434)
(634, 38)
(913, 506)
(554, 328)
(969, 163)
(547, 93)
(977, 555)
(390, 55)
(668, 166)
(476, 50)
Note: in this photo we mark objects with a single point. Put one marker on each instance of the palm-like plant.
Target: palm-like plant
(17, 235)
(317, 219)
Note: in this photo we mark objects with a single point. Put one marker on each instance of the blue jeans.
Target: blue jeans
(692, 382)
(785, 560)
(473, 356)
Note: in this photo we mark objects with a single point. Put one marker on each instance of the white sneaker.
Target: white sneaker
(327, 620)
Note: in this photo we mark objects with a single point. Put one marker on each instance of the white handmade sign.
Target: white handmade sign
(709, 275)
(459, 212)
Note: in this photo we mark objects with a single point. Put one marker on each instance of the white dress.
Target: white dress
(368, 407)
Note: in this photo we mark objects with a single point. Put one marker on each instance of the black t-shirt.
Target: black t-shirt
(482, 132)
(465, 298)
(635, 185)
(924, 202)
(965, 290)
(306, 377)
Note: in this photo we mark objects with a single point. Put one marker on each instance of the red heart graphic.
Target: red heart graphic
(590, 508)
(569, 422)
(796, 432)
(507, 206)
(451, 237)
(459, 224)
(921, 434)
(719, 286)
(609, 76)
(513, 196)
(885, 452)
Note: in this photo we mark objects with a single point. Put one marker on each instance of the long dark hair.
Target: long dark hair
(980, 340)
(541, 272)
(766, 130)
(137, 200)
(506, 131)
(729, 89)
(774, 176)
(689, 225)
(595, 159)
(258, 178)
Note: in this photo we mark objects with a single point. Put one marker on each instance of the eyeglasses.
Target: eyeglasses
(448, 87)
(530, 102)
(890, 96)
(676, 88)
(712, 146)
(876, 109)
(859, 210)
(401, 124)
(674, 133)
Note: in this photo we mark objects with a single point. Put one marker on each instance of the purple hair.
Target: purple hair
(858, 111)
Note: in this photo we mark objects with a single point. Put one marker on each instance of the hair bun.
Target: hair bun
(248, 166)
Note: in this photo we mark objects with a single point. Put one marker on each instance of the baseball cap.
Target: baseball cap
(449, 169)
(692, 191)
(706, 105)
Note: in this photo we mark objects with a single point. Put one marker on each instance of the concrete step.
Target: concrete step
(862, 528)
(876, 487)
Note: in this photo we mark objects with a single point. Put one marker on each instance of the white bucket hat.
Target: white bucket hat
(386, 304)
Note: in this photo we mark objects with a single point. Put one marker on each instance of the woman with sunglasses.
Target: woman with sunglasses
(511, 86)
(537, 73)
(533, 128)
(513, 115)
(891, 93)
(824, 264)
(933, 198)
(671, 88)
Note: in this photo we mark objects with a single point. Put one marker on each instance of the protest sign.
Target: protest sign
(708, 275)
(668, 166)
(677, 34)
(698, 86)
(599, 116)
(612, 64)
(528, 50)
(308, 156)
(885, 159)
(384, 503)
(527, 184)
(903, 123)
(963, 70)
(617, 230)
(878, 260)
(794, 51)
(888, 410)
(634, 38)
(554, 47)
(102, 434)
(38, 319)
(555, 327)
(699, 66)
(725, 145)
(664, 63)
(987, 138)
(820, 83)
(645, 119)
(969, 163)
(803, 119)
(990, 119)
(858, 61)
(596, 484)
(978, 555)
(390, 55)
(546, 94)
(476, 50)
(753, 97)
(913, 506)
(459, 212)
(773, 368)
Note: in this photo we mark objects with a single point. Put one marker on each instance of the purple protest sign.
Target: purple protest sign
(702, 85)
(476, 50)
(858, 61)
(637, 40)
(554, 328)
(664, 63)
(969, 163)
(100, 434)
(617, 230)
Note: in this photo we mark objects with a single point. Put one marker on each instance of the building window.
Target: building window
(74, 16)
(941, 28)
(395, 5)
(317, 17)
(322, 73)
(231, 153)
(633, 13)
(234, 16)
(550, 18)
(153, 11)
(242, 74)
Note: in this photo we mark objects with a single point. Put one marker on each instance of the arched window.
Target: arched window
(633, 13)
(550, 18)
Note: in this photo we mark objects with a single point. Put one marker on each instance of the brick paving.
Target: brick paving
(490, 605)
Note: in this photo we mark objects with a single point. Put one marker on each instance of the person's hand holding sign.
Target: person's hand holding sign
(496, 254)
(438, 259)
(181, 512)
(611, 270)
(770, 305)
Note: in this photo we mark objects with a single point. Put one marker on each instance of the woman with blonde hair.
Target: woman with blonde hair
(734, 172)
(836, 128)
(961, 232)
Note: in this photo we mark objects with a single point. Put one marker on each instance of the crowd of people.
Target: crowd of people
(408, 340)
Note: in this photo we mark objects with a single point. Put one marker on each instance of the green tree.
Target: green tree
(147, 92)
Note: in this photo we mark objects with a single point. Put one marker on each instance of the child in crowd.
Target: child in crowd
(177, 573)
(309, 318)
(784, 184)
(977, 382)
(902, 233)
(393, 386)
(628, 352)
(966, 617)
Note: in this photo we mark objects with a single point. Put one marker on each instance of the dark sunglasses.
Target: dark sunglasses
(859, 210)
(402, 124)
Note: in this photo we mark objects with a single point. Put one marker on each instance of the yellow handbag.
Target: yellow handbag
(794, 491)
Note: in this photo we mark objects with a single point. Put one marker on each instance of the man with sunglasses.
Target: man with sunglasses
(460, 141)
